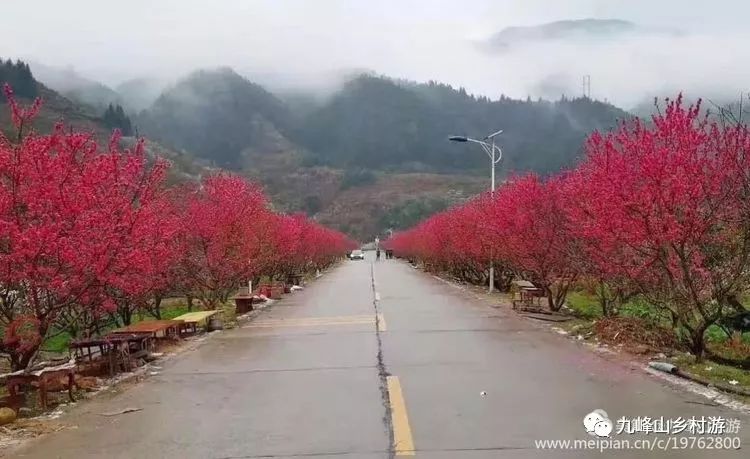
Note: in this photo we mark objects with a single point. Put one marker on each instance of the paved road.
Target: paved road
(331, 372)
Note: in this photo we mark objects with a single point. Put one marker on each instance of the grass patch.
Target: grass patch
(58, 343)
(641, 309)
(171, 308)
(734, 351)
(713, 371)
(229, 312)
(584, 305)
(714, 334)
(171, 313)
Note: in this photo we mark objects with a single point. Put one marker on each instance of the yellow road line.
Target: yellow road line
(403, 442)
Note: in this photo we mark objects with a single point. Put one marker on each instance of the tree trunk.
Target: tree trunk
(554, 301)
(157, 307)
(22, 360)
(551, 303)
(604, 302)
(127, 315)
(189, 302)
(15, 363)
(698, 343)
(97, 328)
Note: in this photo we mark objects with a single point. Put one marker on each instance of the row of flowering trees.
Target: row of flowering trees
(659, 209)
(88, 234)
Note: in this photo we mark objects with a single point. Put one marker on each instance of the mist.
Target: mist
(297, 45)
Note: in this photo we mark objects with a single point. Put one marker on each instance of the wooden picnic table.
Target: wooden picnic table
(523, 284)
(191, 320)
(157, 328)
(118, 349)
(41, 379)
(528, 294)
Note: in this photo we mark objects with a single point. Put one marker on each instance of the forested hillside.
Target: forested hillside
(57, 108)
(74, 86)
(373, 155)
(385, 124)
(19, 76)
(372, 122)
(216, 114)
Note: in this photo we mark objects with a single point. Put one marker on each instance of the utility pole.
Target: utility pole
(495, 154)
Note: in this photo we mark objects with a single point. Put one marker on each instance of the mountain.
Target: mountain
(217, 114)
(139, 93)
(134, 95)
(396, 201)
(370, 156)
(380, 123)
(375, 153)
(76, 87)
(576, 29)
(18, 75)
(57, 108)
(372, 122)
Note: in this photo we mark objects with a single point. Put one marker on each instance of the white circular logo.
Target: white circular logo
(597, 423)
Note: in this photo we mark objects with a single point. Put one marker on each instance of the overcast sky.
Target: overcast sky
(307, 41)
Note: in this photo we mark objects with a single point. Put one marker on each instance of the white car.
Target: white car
(357, 255)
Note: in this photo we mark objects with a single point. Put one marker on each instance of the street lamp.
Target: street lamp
(495, 154)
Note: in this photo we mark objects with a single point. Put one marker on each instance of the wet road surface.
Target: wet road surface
(375, 360)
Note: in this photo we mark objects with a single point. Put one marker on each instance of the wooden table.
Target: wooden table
(42, 379)
(157, 328)
(191, 320)
(528, 296)
(119, 349)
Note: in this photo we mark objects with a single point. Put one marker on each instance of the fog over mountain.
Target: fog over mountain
(628, 47)
(628, 63)
(582, 30)
(68, 82)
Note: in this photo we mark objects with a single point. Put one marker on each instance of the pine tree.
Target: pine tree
(18, 75)
(115, 118)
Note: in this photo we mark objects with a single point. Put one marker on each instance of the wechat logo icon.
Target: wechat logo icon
(597, 424)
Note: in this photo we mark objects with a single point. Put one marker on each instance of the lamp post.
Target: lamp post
(495, 154)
